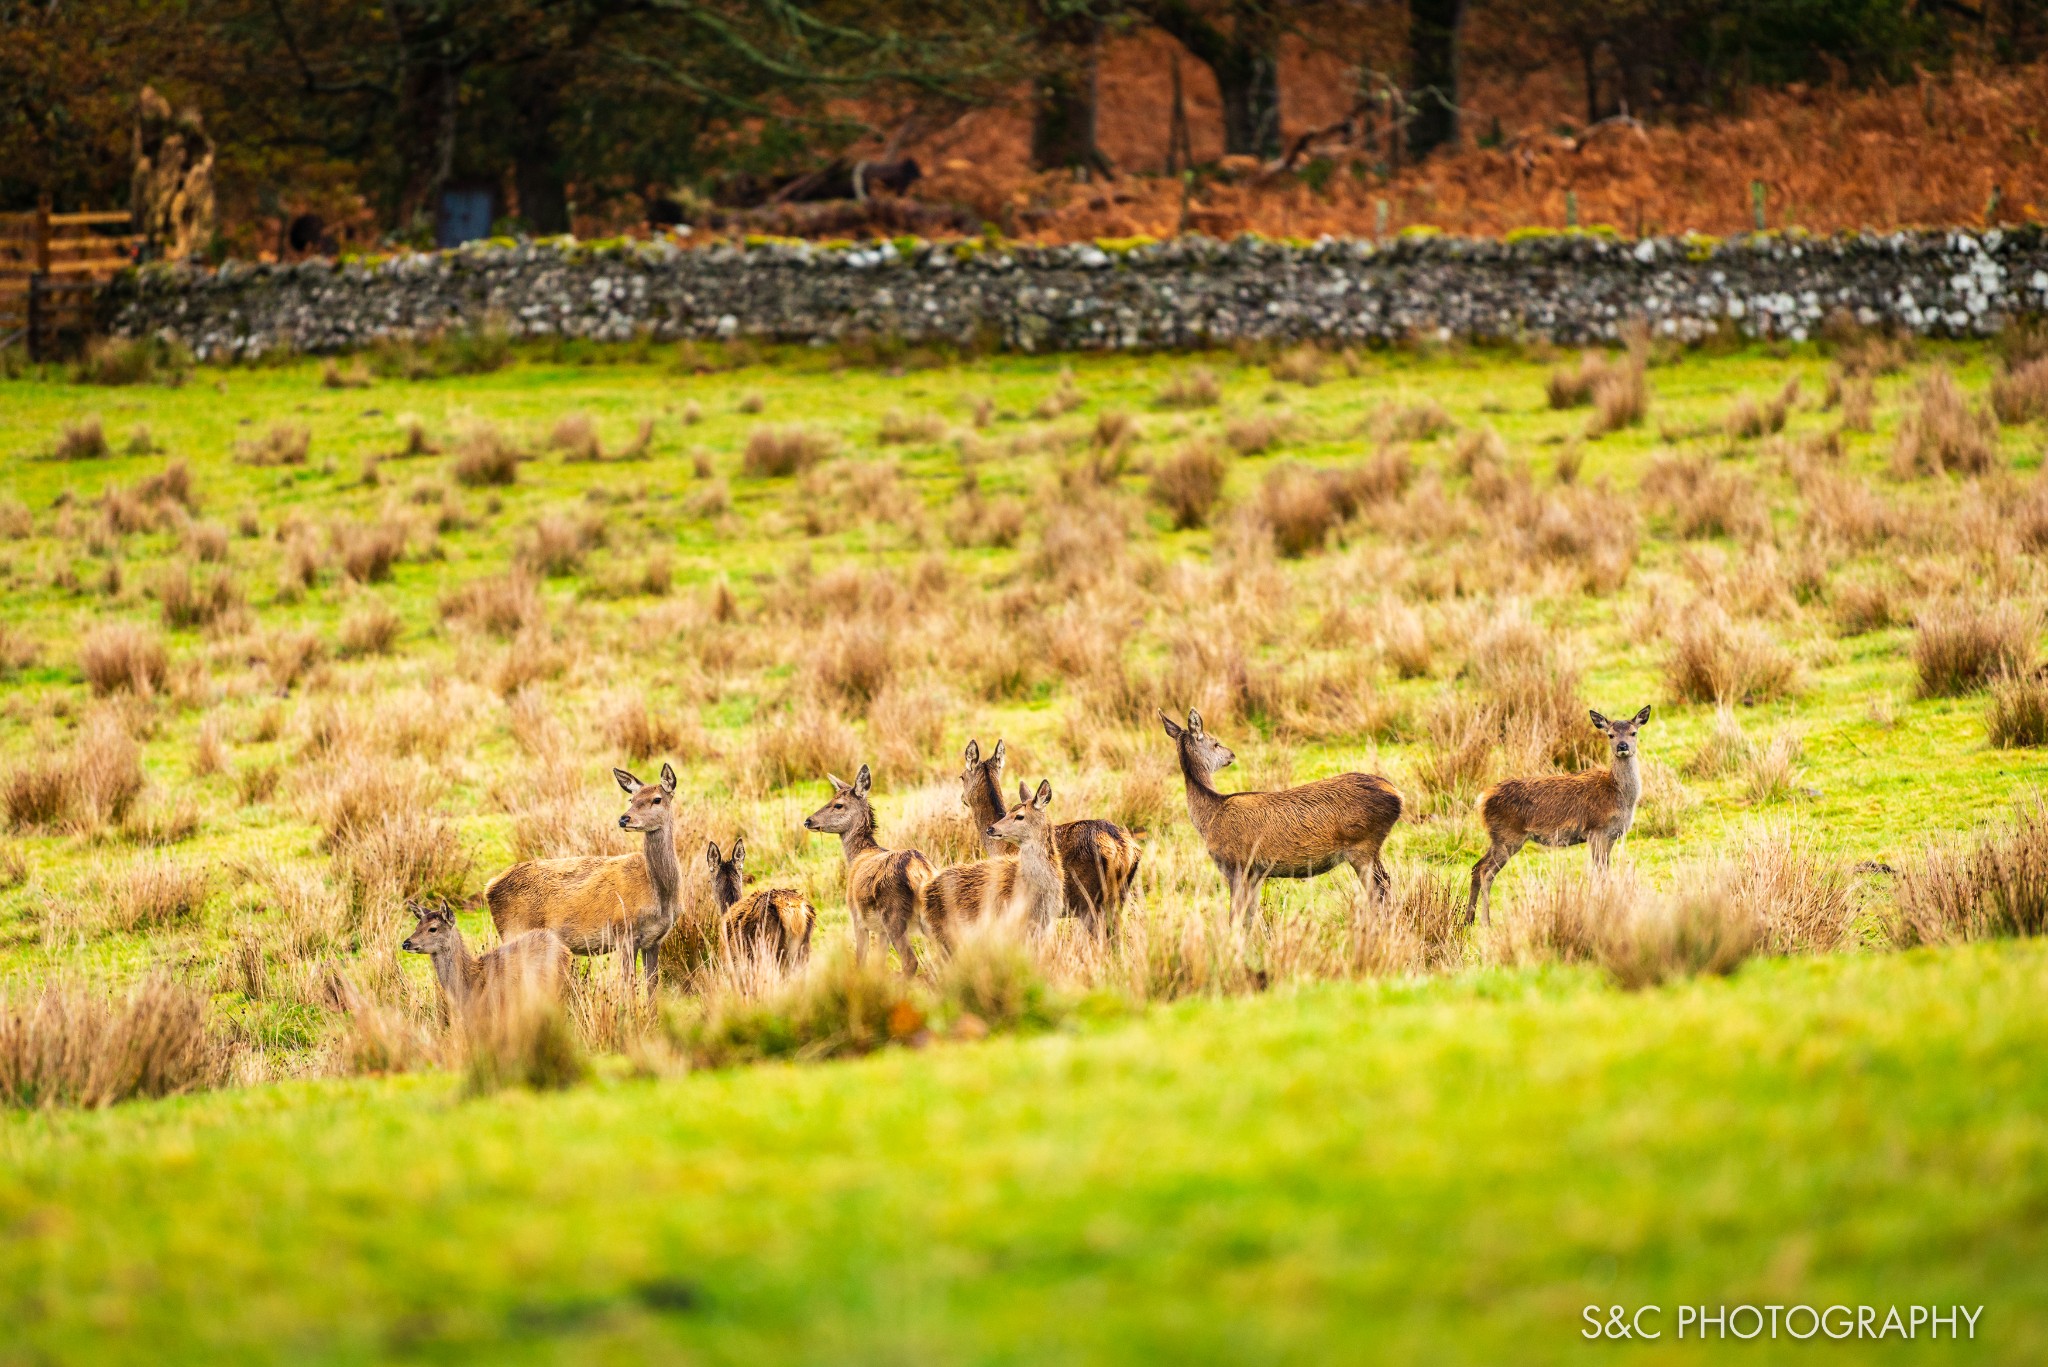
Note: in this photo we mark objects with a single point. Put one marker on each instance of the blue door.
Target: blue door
(465, 217)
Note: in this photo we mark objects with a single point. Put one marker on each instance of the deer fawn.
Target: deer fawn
(1031, 887)
(1099, 858)
(884, 888)
(773, 922)
(534, 964)
(601, 903)
(1591, 808)
(1294, 833)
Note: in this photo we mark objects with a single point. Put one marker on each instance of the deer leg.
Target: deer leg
(900, 937)
(1598, 848)
(1483, 873)
(1372, 873)
(650, 966)
(860, 938)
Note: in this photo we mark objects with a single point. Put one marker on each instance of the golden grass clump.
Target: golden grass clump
(1713, 659)
(1573, 388)
(2017, 715)
(1257, 434)
(188, 603)
(801, 747)
(1195, 387)
(1621, 395)
(2020, 394)
(504, 604)
(156, 891)
(85, 439)
(1993, 886)
(1706, 501)
(1961, 644)
(1686, 933)
(1189, 483)
(640, 732)
(905, 429)
(283, 444)
(1943, 434)
(123, 657)
(778, 452)
(575, 436)
(486, 456)
(1748, 419)
(370, 629)
(74, 1046)
(1302, 365)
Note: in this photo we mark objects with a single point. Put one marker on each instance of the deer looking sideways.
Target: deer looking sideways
(1593, 808)
(1099, 859)
(601, 903)
(534, 964)
(884, 888)
(1031, 887)
(772, 923)
(1293, 833)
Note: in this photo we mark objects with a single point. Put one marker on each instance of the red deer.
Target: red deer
(771, 922)
(1593, 808)
(884, 888)
(1100, 858)
(535, 963)
(601, 903)
(1294, 833)
(1031, 887)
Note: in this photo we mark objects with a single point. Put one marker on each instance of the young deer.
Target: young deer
(1294, 833)
(773, 922)
(536, 963)
(1031, 887)
(1100, 858)
(884, 888)
(1593, 808)
(601, 903)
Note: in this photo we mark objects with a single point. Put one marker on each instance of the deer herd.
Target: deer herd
(1034, 872)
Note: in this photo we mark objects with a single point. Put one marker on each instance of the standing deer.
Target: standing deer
(1594, 808)
(884, 888)
(773, 922)
(601, 903)
(1031, 887)
(1100, 858)
(536, 963)
(1294, 833)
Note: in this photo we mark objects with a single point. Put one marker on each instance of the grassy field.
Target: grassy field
(314, 647)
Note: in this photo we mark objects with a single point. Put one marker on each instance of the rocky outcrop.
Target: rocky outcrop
(1189, 292)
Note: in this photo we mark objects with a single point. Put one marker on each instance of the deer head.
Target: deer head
(1622, 734)
(728, 876)
(649, 806)
(981, 775)
(435, 930)
(1025, 819)
(848, 811)
(1200, 749)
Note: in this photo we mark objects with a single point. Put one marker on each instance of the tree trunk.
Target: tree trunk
(1245, 61)
(1063, 90)
(1433, 72)
(538, 173)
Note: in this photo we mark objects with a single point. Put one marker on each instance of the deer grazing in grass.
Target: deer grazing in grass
(769, 923)
(1293, 833)
(1031, 887)
(533, 965)
(601, 903)
(1593, 808)
(1099, 858)
(884, 888)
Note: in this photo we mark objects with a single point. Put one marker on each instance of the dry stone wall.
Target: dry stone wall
(1185, 293)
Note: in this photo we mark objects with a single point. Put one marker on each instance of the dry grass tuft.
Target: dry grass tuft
(2017, 715)
(1771, 772)
(639, 732)
(72, 1046)
(1257, 434)
(1706, 501)
(1799, 901)
(1713, 659)
(1685, 934)
(1573, 388)
(801, 748)
(907, 429)
(778, 452)
(484, 457)
(2021, 394)
(1195, 387)
(575, 436)
(839, 1006)
(1189, 483)
(1996, 886)
(154, 892)
(188, 604)
(1942, 435)
(1748, 419)
(1565, 918)
(123, 657)
(1302, 365)
(1961, 644)
(505, 605)
(82, 440)
(371, 629)
(284, 444)
(1621, 395)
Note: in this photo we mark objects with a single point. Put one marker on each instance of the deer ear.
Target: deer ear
(1173, 730)
(837, 786)
(974, 752)
(419, 913)
(668, 780)
(1023, 791)
(997, 758)
(1044, 794)
(863, 781)
(1642, 716)
(739, 850)
(711, 855)
(1598, 720)
(627, 781)
(1194, 722)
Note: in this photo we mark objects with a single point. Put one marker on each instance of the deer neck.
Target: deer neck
(861, 839)
(1203, 799)
(663, 869)
(985, 807)
(1628, 781)
(456, 970)
(1038, 868)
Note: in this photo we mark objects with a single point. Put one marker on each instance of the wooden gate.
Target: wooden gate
(51, 269)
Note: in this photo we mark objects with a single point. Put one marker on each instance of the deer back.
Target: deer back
(1559, 809)
(535, 963)
(1305, 827)
(591, 902)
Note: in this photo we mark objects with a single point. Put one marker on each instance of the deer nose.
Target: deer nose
(992, 834)
(622, 822)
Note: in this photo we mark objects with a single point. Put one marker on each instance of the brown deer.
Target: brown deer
(601, 903)
(1593, 808)
(1031, 887)
(1100, 858)
(536, 963)
(773, 922)
(884, 888)
(1294, 833)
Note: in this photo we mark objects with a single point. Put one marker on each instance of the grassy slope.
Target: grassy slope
(1434, 1174)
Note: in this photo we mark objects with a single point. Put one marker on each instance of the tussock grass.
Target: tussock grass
(2017, 715)
(486, 457)
(2020, 394)
(1195, 387)
(778, 452)
(121, 657)
(1991, 886)
(1189, 483)
(1961, 644)
(1716, 660)
(85, 439)
(73, 1046)
(1942, 434)
(283, 444)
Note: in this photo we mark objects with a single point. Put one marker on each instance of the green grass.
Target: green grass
(1429, 1171)
(1434, 1174)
